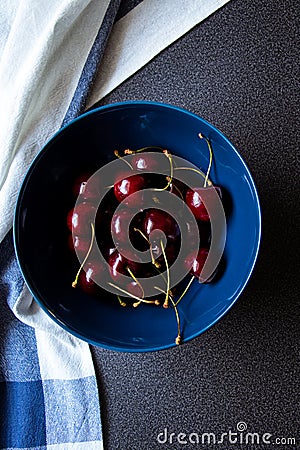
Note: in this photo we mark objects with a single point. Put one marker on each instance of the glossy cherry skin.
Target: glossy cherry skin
(118, 264)
(135, 289)
(137, 240)
(194, 240)
(79, 219)
(157, 219)
(77, 187)
(107, 251)
(104, 216)
(127, 186)
(87, 188)
(178, 188)
(124, 226)
(171, 252)
(144, 161)
(92, 189)
(92, 269)
(79, 244)
(196, 264)
(120, 225)
(196, 197)
(104, 237)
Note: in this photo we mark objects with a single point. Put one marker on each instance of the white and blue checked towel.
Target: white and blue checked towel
(51, 69)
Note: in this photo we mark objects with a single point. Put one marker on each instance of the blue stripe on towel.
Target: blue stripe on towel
(18, 351)
(22, 421)
(11, 280)
(78, 102)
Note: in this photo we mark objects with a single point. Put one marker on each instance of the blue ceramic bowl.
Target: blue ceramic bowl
(40, 232)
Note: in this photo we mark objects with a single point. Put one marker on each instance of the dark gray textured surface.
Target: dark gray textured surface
(238, 70)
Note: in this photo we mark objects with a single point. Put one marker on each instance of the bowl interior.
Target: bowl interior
(41, 234)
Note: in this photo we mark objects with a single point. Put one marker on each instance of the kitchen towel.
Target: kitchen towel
(48, 389)
(51, 69)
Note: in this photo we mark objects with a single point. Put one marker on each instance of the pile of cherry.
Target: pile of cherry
(144, 224)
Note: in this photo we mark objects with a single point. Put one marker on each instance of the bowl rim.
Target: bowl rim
(43, 149)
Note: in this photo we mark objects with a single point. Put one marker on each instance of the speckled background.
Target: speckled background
(239, 70)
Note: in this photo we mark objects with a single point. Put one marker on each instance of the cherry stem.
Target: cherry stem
(185, 291)
(179, 191)
(170, 177)
(197, 171)
(178, 338)
(128, 151)
(163, 291)
(116, 153)
(166, 302)
(161, 274)
(74, 284)
(156, 302)
(201, 136)
(155, 263)
(122, 303)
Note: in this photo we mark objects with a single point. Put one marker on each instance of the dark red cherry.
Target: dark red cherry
(127, 186)
(196, 264)
(87, 188)
(120, 225)
(104, 216)
(171, 252)
(79, 182)
(91, 190)
(198, 234)
(107, 250)
(124, 229)
(79, 244)
(79, 219)
(136, 225)
(197, 197)
(92, 269)
(118, 265)
(145, 161)
(157, 219)
(135, 289)
(178, 188)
